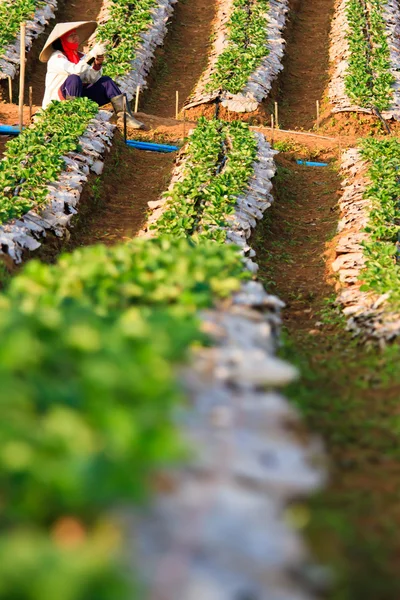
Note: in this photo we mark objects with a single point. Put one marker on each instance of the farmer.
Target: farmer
(69, 74)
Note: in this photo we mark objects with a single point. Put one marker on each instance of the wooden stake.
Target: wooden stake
(137, 98)
(272, 130)
(317, 114)
(30, 102)
(124, 103)
(22, 76)
(276, 115)
(184, 123)
(177, 105)
(10, 89)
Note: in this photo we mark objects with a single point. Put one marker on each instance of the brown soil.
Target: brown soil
(260, 117)
(9, 114)
(162, 129)
(182, 59)
(355, 124)
(303, 216)
(113, 207)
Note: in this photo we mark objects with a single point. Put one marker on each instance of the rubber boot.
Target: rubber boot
(118, 106)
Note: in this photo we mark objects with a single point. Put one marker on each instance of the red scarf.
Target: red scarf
(70, 49)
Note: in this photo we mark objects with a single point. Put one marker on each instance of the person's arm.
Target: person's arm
(59, 63)
(96, 70)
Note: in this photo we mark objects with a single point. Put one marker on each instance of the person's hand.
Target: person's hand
(99, 60)
(97, 50)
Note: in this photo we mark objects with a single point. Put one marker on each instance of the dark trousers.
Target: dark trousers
(101, 92)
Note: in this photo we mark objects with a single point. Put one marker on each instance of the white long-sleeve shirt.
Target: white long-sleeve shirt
(59, 68)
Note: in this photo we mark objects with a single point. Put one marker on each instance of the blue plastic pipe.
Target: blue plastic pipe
(8, 130)
(309, 163)
(152, 147)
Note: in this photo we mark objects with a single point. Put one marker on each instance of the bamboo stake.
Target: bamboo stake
(317, 115)
(272, 130)
(124, 103)
(10, 89)
(137, 98)
(276, 115)
(30, 102)
(22, 76)
(184, 122)
(177, 105)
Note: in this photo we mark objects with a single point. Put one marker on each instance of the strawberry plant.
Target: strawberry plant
(219, 163)
(246, 47)
(12, 14)
(123, 31)
(368, 80)
(382, 271)
(34, 159)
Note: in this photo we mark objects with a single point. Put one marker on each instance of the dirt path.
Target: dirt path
(348, 394)
(182, 59)
(306, 63)
(113, 207)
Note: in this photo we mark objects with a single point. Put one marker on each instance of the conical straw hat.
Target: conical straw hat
(84, 28)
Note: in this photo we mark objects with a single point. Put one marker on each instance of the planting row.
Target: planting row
(88, 400)
(44, 169)
(247, 465)
(220, 187)
(246, 54)
(36, 13)
(367, 247)
(132, 32)
(365, 57)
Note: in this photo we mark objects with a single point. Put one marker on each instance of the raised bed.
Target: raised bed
(246, 55)
(36, 13)
(365, 57)
(367, 243)
(247, 466)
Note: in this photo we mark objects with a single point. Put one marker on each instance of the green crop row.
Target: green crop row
(12, 14)
(219, 164)
(34, 159)
(87, 402)
(246, 49)
(382, 271)
(127, 22)
(368, 80)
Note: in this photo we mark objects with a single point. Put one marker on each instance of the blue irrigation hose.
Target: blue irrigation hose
(308, 163)
(8, 130)
(151, 146)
